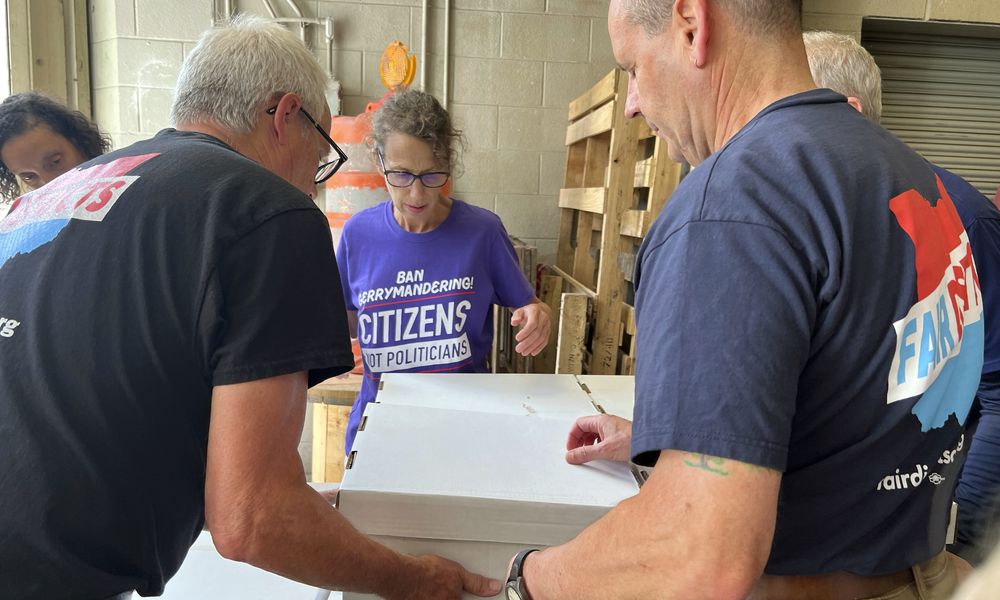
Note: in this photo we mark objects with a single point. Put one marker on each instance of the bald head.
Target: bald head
(758, 17)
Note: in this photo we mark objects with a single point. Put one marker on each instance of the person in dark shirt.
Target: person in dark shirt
(809, 336)
(163, 309)
(840, 63)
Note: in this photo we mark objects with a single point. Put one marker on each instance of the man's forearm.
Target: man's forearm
(676, 539)
(300, 536)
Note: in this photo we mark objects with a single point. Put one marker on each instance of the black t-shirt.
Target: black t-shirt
(129, 287)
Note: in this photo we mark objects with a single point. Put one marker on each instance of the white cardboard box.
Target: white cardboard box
(473, 487)
(615, 394)
(528, 395)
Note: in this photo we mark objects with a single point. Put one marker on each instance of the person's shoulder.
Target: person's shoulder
(475, 215)
(971, 204)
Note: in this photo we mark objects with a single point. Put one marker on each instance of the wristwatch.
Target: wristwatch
(515, 588)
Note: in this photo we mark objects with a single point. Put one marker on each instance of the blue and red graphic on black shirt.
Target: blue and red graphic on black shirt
(939, 343)
(37, 218)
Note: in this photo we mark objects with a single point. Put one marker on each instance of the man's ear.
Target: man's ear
(691, 16)
(285, 115)
(856, 104)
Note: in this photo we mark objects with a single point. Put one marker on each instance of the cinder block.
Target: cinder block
(347, 69)
(907, 9)
(479, 173)
(110, 19)
(582, 8)
(116, 109)
(848, 24)
(517, 172)
(365, 26)
(176, 20)
(600, 42)
(487, 201)
(154, 109)
(564, 81)
(532, 128)
(501, 5)
(529, 216)
(974, 11)
(148, 63)
(547, 37)
(474, 33)
(552, 173)
(478, 124)
(546, 249)
(497, 82)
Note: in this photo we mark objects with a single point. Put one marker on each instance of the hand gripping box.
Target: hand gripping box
(474, 487)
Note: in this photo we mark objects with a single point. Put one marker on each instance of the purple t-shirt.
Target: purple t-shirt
(425, 300)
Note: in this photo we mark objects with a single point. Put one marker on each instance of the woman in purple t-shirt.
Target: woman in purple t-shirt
(422, 271)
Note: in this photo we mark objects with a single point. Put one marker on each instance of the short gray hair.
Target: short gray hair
(419, 114)
(238, 68)
(753, 16)
(839, 62)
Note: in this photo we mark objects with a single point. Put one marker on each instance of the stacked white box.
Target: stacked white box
(471, 486)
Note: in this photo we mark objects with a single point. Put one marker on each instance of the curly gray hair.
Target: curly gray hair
(418, 114)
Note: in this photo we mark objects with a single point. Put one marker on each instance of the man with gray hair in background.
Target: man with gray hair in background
(163, 310)
(840, 63)
(809, 337)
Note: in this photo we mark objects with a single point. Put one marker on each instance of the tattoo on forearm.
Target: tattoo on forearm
(704, 462)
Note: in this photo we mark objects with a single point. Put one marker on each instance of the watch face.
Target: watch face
(512, 592)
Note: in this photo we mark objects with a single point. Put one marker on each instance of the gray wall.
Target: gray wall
(515, 66)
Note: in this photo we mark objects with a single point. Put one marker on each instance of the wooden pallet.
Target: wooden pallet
(505, 358)
(618, 178)
(572, 307)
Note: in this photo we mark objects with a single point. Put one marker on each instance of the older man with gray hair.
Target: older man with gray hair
(809, 337)
(163, 310)
(840, 63)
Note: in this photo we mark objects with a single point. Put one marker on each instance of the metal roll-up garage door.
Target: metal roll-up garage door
(941, 92)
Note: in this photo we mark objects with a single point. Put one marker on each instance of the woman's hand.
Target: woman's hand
(535, 321)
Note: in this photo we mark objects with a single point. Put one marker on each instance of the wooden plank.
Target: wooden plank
(634, 223)
(585, 199)
(593, 124)
(644, 131)
(340, 391)
(551, 295)
(318, 467)
(570, 284)
(611, 286)
(572, 333)
(583, 261)
(336, 434)
(644, 172)
(576, 161)
(602, 91)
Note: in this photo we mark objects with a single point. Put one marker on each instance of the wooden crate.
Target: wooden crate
(572, 306)
(505, 358)
(331, 403)
(618, 178)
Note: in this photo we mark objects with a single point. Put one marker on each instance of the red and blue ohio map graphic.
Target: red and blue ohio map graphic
(939, 343)
(37, 218)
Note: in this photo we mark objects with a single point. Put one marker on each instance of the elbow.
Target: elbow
(232, 534)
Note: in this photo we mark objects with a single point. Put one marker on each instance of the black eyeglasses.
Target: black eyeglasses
(326, 169)
(434, 179)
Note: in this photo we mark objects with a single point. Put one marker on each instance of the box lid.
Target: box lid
(615, 394)
(462, 475)
(529, 395)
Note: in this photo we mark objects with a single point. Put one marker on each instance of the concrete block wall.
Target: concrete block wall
(515, 66)
(845, 16)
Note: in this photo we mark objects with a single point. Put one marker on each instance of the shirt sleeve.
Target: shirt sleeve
(276, 306)
(511, 288)
(724, 319)
(344, 267)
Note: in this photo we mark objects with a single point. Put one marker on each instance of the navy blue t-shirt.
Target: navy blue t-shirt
(807, 302)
